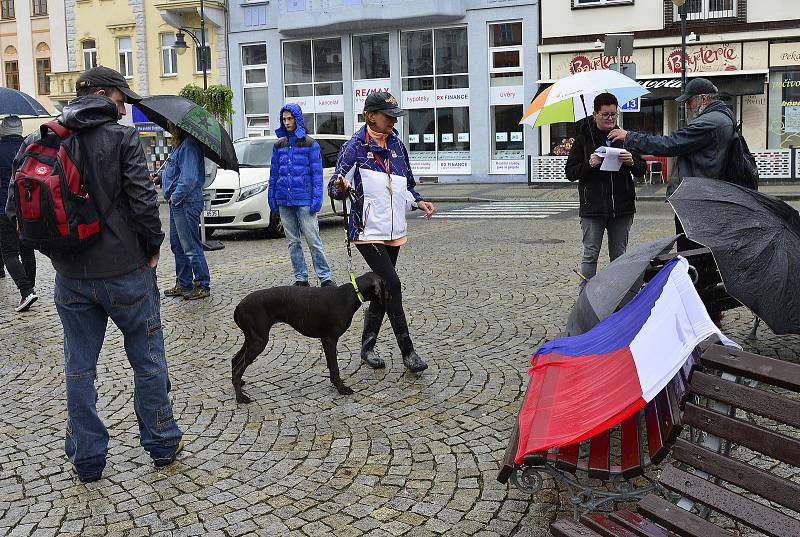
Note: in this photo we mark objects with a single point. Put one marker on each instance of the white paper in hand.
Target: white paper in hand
(611, 161)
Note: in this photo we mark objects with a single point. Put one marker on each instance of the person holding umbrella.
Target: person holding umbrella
(182, 182)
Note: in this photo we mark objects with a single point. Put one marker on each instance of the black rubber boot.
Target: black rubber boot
(372, 325)
(411, 359)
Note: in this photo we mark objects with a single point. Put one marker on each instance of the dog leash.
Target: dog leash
(351, 195)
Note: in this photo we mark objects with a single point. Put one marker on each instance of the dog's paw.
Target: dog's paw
(344, 390)
(243, 398)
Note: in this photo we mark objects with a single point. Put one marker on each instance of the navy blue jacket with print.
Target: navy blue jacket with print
(295, 172)
(382, 195)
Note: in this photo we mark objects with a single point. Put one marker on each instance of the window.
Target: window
(39, 8)
(254, 82)
(89, 53)
(505, 54)
(595, 3)
(506, 139)
(125, 55)
(43, 76)
(313, 78)
(370, 56)
(255, 15)
(706, 9)
(7, 9)
(169, 56)
(198, 59)
(784, 109)
(12, 75)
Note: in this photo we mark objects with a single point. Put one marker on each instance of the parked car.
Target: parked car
(240, 200)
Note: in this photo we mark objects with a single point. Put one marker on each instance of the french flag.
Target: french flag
(583, 385)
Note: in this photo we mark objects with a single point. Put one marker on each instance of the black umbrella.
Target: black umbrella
(13, 102)
(195, 121)
(755, 241)
(614, 286)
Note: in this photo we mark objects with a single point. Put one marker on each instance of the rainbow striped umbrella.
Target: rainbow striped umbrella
(569, 99)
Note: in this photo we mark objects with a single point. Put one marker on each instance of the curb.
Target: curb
(470, 199)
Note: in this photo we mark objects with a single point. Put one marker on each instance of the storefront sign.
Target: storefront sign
(566, 64)
(506, 95)
(784, 54)
(704, 58)
(418, 99)
(362, 88)
(307, 104)
(452, 97)
(581, 62)
(456, 167)
(511, 167)
(422, 167)
(662, 83)
(329, 103)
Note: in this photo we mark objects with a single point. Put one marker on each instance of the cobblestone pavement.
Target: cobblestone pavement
(402, 456)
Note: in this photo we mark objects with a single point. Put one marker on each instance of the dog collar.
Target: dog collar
(355, 286)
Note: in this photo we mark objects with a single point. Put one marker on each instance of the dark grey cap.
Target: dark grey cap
(382, 101)
(100, 76)
(697, 86)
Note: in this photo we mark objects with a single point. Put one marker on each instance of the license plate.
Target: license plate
(211, 214)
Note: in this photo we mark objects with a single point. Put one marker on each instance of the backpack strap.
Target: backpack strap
(60, 130)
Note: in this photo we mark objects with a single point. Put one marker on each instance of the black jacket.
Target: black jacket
(114, 167)
(602, 193)
(9, 147)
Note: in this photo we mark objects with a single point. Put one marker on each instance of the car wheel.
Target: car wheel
(275, 228)
(210, 232)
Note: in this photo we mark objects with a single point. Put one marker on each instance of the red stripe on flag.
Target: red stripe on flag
(571, 398)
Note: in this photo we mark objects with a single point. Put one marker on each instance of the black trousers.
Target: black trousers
(20, 260)
(382, 260)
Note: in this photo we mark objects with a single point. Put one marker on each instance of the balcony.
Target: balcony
(62, 86)
(299, 17)
(185, 13)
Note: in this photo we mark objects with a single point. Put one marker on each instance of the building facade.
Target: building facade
(135, 37)
(462, 68)
(33, 44)
(749, 49)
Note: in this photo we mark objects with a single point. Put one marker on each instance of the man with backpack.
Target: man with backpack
(114, 275)
(19, 258)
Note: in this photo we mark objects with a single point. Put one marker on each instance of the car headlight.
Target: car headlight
(252, 190)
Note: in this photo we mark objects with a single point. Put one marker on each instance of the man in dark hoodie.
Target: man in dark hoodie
(18, 258)
(113, 277)
(296, 191)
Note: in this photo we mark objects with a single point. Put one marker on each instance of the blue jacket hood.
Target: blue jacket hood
(297, 112)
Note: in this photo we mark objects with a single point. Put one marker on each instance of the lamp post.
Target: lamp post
(680, 4)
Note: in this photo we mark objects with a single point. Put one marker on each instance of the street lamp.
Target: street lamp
(680, 4)
(180, 46)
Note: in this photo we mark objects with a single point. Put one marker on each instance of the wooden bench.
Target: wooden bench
(732, 485)
(615, 456)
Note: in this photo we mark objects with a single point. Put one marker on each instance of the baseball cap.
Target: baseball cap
(100, 76)
(382, 101)
(697, 86)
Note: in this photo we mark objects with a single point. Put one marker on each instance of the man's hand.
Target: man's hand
(626, 158)
(341, 184)
(155, 178)
(426, 207)
(617, 134)
(595, 160)
(153, 261)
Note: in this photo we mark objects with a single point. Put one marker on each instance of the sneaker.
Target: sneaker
(328, 283)
(300, 283)
(87, 478)
(27, 302)
(175, 291)
(197, 292)
(160, 462)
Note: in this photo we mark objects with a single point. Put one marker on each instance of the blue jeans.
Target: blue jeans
(184, 238)
(297, 220)
(132, 302)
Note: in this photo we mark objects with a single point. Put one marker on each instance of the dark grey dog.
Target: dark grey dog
(318, 312)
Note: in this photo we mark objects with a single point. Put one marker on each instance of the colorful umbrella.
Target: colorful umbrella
(566, 100)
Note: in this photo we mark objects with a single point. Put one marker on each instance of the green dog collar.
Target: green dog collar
(355, 286)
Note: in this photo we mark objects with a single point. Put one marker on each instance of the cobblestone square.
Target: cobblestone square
(404, 455)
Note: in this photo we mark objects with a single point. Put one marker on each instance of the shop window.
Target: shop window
(89, 53)
(562, 136)
(649, 119)
(506, 139)
(255, 88)
(125, 55)
(596, 3)
(313, 79)
(12, 74)
(371, 56)
(784, 110)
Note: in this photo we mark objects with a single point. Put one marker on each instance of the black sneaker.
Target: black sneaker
(328, 283)
(87, 478)
(300, 283)
(160, 462)
(27, 302)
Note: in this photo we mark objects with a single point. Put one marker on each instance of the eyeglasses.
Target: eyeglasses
(606, 115)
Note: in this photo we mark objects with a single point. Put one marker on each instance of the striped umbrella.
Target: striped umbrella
(566, 100)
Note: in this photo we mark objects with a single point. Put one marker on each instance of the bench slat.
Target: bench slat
(567, 457)
(757, 438)
(761, 368)
(638, 524)
(602, 524)
(566, 527)
(631, 456)
(757, 516)
(770, 486)
(763, 403)
(654, 443)
(600, 456)
(678, 520)
(511, 453)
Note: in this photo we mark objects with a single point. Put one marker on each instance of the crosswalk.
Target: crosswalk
(510, 210)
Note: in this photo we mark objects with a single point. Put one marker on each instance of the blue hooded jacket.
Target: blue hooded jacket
(295, 173)
(183, 176)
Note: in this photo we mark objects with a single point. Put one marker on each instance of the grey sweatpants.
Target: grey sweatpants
(593, 228)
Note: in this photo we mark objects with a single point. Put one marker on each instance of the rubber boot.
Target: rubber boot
(372, 325)
(411, 359)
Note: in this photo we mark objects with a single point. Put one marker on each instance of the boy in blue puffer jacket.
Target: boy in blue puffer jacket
(296, 192)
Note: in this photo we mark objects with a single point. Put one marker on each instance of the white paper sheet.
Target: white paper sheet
(611, 161)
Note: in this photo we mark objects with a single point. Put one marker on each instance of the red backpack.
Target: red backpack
(54, 209)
